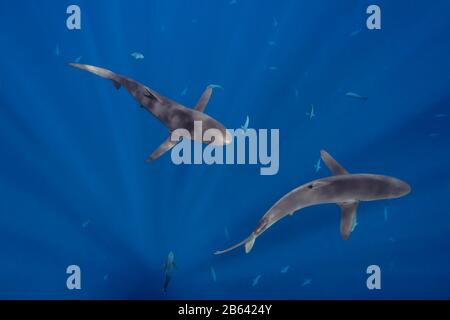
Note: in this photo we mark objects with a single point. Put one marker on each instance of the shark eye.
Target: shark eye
(310, 186)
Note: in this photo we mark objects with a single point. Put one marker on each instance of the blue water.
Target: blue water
(75, 188)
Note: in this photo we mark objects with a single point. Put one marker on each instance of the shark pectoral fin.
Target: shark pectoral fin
(332, 164)
(164, 147)
(348, 216)
(203, 101)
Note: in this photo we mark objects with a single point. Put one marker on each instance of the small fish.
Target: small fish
(306, 282)
(183, 93)
(213, 274)
(355, 224)
(392, 239)
(85, 224)
(273, 68)
(227, 234)
(440, 115)
(296, 94)
(275, 22)
(57, 51)
(256, 280)
(434, 135)
(78, 59)
(385, 214)
(216, 86)
(355, 96)
(311, 114)
(137, 55)
(233, 2)
(194, 20)
(354, 33)
(105, 277)
(272, 43)
(245, 126)
(285, 269)
(317, 166)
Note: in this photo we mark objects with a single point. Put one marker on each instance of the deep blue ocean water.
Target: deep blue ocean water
(75, 187)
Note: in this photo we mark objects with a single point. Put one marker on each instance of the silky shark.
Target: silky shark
(342, 188)
(171, 114)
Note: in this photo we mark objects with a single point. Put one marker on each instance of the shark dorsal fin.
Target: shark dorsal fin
(203, 101)
(332, 164)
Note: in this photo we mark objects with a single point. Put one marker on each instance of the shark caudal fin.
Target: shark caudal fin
(101, 72)
(248, 242)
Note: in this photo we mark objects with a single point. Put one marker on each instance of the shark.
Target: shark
(171, 114)
(168, 267)
(343, 188)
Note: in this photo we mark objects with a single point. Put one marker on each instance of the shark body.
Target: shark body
(168, 267)
(342, 188)
(170, 113)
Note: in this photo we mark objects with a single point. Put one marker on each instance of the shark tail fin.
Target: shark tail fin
(101, 72)
(248, 242)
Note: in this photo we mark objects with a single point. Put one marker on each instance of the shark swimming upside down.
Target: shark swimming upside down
(343, 188)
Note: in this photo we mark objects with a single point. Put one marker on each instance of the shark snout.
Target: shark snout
(401, 188)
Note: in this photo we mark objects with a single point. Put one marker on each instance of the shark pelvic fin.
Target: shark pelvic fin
(332, 164)
(249, 244)
(204, 99)
(116, 84)
(164, 147)
(348, 216)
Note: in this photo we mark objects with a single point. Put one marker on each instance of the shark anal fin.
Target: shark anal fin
(204, 99)
(164, 147)
(332, 164)
(348, 216)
